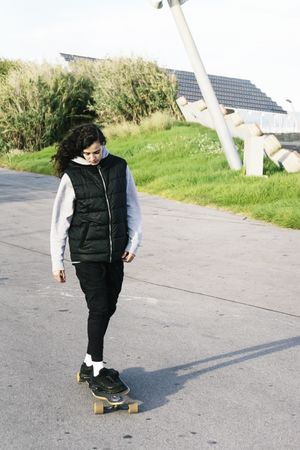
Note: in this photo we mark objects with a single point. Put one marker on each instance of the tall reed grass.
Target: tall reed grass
(160, 120)
(38, 103)
(128, 89)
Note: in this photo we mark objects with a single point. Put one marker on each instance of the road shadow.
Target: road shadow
(154, 388)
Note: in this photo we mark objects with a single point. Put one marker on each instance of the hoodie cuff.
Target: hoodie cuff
(58, 266)
(131, 248)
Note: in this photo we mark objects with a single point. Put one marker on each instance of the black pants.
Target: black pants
(101, 283)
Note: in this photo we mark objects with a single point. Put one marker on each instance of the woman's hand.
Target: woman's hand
(128, 257)
(59, 276)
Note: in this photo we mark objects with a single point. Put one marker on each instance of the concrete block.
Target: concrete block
(205, 119)
(192, 113)
(200, 105)
(272, 145)
(234, 119)
(196, 112)
(223, 110)
(186, 110)
(254, 155)
(181, 101)
(291, 162)
(279, 156)
(246, 130)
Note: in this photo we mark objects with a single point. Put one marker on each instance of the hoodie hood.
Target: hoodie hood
(84, 162)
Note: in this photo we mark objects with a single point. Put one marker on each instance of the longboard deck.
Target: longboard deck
(112, 399)
(107, 401)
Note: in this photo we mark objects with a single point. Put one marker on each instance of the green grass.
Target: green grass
(38, 162)
(186, 163)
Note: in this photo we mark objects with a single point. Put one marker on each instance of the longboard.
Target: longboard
(106, 402)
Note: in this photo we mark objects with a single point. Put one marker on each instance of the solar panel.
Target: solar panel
(230, 92)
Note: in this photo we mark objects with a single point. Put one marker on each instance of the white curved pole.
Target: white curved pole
(205, 86)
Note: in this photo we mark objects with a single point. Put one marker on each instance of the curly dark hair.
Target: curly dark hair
(74, 143)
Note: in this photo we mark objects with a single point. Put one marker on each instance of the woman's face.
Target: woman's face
(93, 153)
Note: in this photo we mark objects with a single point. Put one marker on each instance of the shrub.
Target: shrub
(20, 114)
(39, 104)
(129, 89)
(6, 65)
(67, 103)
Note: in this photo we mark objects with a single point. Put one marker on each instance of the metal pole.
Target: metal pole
(206, 87)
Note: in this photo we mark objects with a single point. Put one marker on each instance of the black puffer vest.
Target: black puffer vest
(98, 230)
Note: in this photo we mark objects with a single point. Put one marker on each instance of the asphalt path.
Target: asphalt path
(207, 332)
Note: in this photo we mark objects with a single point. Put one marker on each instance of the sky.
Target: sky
(258, 40)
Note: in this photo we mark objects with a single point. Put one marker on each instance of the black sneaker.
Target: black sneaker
(112, 372)
(85, 372)
(108, 381)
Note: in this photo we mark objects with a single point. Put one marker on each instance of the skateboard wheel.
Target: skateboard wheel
(78, 378)
(133, 408)
(98, 408)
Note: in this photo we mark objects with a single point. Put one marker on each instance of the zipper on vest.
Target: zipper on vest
(109, 214)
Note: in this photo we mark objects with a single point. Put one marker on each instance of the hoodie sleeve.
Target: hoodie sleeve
(62, 214)
(134, 217)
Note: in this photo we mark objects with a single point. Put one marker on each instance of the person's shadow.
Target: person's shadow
(154, 388)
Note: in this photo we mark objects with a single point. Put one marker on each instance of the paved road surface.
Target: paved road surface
(207, 332)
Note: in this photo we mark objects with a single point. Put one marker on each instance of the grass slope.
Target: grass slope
(186, 163)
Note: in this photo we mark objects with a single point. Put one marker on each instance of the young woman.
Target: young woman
(97, 209)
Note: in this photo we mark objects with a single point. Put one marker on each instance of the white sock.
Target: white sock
(97, 366)
(88, 360)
